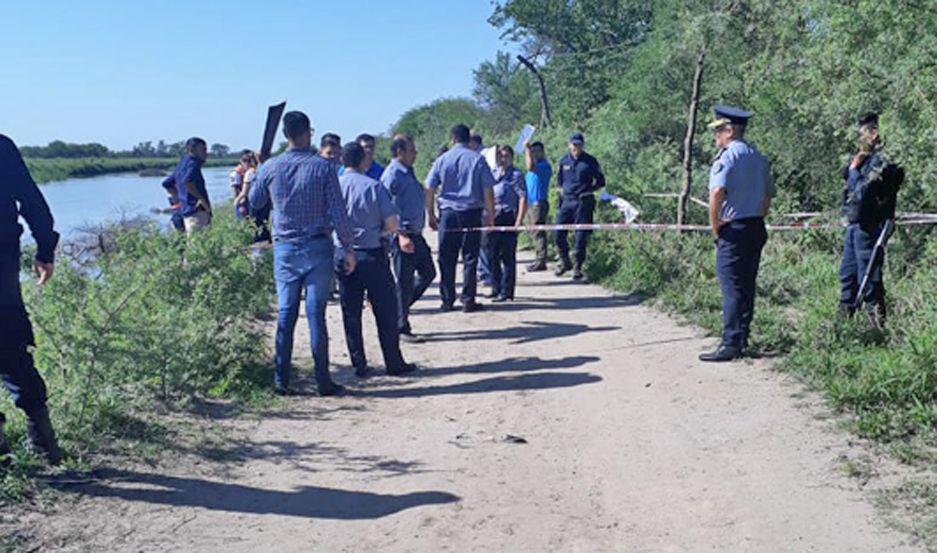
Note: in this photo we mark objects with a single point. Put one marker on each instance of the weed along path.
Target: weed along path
(569, 420)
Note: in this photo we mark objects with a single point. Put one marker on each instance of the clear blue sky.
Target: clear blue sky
(119, 72)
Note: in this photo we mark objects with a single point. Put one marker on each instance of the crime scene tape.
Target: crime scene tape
(664, 227)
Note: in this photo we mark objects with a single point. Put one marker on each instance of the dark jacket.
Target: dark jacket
(19, 195)
(870, 192)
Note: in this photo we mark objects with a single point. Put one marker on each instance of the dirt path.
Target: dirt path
(631, 445)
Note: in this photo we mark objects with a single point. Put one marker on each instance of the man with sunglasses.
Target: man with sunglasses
(740, 192)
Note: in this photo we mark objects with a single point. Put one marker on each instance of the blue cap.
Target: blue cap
(725, 115)
(576, 138)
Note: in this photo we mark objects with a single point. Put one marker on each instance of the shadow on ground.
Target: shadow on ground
(305, 501)
(532, 331)
(538, 381)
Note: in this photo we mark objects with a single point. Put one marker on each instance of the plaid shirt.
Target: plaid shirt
(307, 200)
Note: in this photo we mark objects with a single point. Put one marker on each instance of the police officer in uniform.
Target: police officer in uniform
(16, 362)
(464, 182)
(870, 191)
(740, 193)
(579, 176)
(371, 212)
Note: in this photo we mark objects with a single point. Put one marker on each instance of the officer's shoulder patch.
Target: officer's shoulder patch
(717, 167)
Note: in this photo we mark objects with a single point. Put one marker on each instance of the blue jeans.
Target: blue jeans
(415, 272)
(502, 252)
(738, 254)
(857, 254)
(579, 211)
(296, 265)
(371, 275)
(451, 241)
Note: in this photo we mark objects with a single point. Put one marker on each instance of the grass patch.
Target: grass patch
(154, 326)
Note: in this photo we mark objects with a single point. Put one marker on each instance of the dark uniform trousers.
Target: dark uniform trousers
(16, 363)
(857, 254)
(738, 254)
(451, 241)
(415, 272)
(537, 215)
(578, 211)
(502, 253)
(371, 275)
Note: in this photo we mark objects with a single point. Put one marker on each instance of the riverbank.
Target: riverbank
(45, 170)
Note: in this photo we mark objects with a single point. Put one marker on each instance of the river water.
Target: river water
(76, 203)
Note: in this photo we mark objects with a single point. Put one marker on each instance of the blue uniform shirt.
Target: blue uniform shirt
(408, 195)
(374, 171)
(538, 182)
(368, 204)
(509, 189)
(462, 176)
(189, 169)
(746, 177)
(581, 176)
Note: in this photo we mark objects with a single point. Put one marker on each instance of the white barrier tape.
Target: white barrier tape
(662, 226)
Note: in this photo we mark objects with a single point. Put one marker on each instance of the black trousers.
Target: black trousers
(17, 370)
(738, 254)
(575, 211)
(371, 275)
(502, 254)
(415, 272)
(453, 240)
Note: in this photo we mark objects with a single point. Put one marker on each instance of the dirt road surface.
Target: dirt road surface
(569, 420)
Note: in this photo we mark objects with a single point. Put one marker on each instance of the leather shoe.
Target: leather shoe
(721, 354)
(472, 307)
(362, 372)
(407, 368)
(536, 266)
(562, 268)
(335, 390)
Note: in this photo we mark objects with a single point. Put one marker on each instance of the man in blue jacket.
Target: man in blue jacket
(19, 196)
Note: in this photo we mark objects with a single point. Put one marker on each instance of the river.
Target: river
(76, 203)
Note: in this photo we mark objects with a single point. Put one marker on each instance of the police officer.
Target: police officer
(414, 270)
(870, 192)
(579, 176)
(16, 363)
(740, 192)
(465, 183)
(372, 213)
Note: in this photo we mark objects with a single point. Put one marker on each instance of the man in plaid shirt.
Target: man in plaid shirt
(307, 207)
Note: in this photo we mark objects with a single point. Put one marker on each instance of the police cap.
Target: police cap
(725, 115)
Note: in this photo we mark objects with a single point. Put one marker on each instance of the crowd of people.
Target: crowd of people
(334, 215)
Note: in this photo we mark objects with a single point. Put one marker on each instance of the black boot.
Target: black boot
(42, 436)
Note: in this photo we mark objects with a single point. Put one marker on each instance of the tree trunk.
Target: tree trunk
(688, 141)
(546, 120)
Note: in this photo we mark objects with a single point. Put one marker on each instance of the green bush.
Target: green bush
(155, 320)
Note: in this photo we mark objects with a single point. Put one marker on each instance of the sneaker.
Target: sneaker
(577, 274)
(502, 299)
(284, 392)
(472, 307)
(721, 354)
(562, 268)
(446, 307)
(536, 266)
(407, 368)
